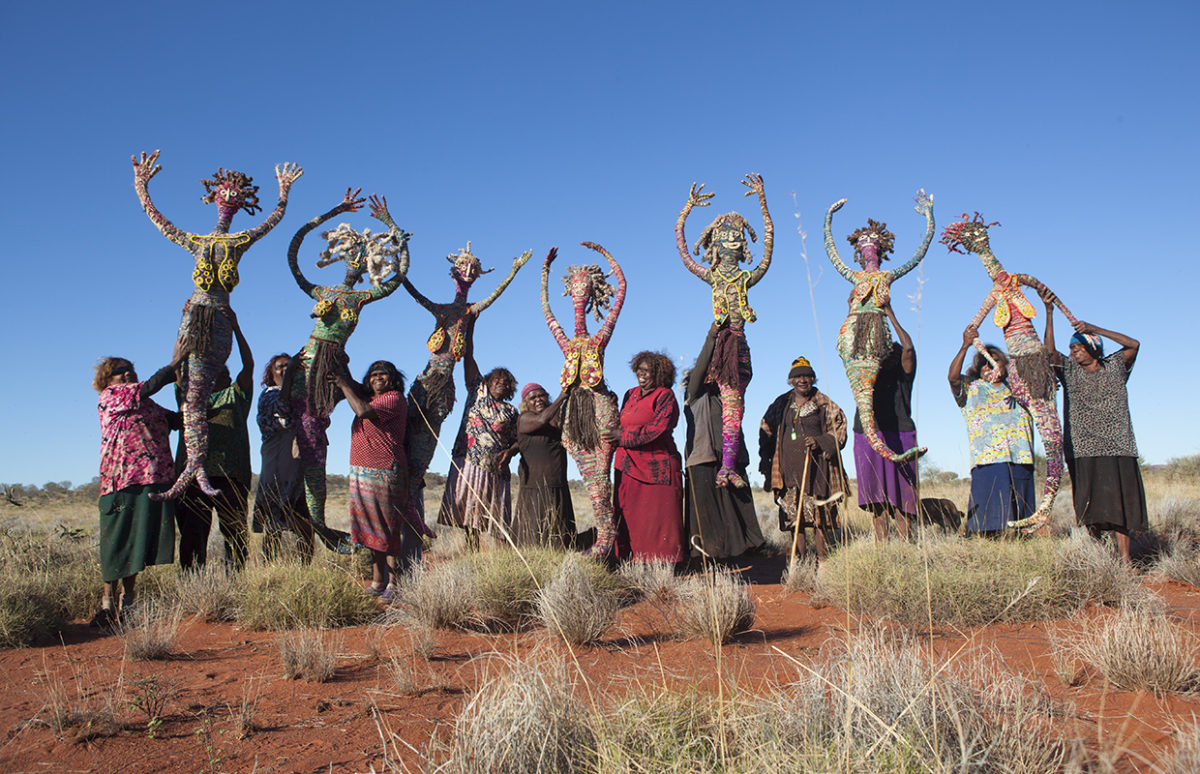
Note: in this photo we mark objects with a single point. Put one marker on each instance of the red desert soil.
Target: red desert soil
(310, 727)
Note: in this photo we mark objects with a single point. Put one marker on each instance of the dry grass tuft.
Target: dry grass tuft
(524, 719)
(651, 580)
(713, 607)
(210, 592)
(1186, 756)
(75, 704)
(293, 596)
(573, 607)
(48, 581)
(656, 730)
(149, 629)
(1138, 648)
(308, 653)
(436, 596)
(1180, 562)
(801, 575)
(507, 585)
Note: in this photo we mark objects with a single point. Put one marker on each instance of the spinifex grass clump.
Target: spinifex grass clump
(438, 596)
(309, 654)
(713, 606)
(149, 629)
(46, 581)
(293, 596)
(574, 607)
(507, 584)
(1138, 647)
(974, 581)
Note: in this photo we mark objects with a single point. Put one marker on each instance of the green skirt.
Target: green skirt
(135, 531)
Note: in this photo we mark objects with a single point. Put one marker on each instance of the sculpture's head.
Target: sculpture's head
(724, 240)
(971, 234)
(587, 285)
(363, 252)
(872, 243)
(465, 267)
(232, 191)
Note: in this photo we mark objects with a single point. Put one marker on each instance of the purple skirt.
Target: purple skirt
(881, 480)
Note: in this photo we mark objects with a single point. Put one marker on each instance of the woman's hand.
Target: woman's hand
(969, 335)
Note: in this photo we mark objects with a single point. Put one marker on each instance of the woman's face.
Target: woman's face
(497, 387)
(539, 400)
(1080, 354)
(122, 373)
(278, 367)
(803, 384)
(380, 381)
(644, 375)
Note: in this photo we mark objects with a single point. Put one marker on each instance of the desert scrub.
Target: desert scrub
(47, 581)
(149, 629)
(574, 607)
(309, 654)
(1137, 648)
(294, 596)
(523, 719)
(1181, 562)
(507, 584)
(872, 702)
(437, 596)
(972, 581)
(713, 606)
(655, 579)
(209, 592)
(655, 730)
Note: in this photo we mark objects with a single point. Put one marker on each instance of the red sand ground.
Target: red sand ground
(309, 727)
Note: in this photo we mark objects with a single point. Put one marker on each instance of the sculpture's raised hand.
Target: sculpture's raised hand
(287, 174)
(698, 197)
(353, 202)
(924, 202)
(379, 208)
(754, 183)
(550, 256)
(837, 206)
(522, 259)
(145, 167)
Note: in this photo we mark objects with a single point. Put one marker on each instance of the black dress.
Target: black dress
(544, 514)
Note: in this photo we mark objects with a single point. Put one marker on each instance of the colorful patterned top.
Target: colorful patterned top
(646, 451)
(135, 445)
(1096, 408)
(998, 428)
(273, 415)
(379, 443)
(491, 429)
(228, 439)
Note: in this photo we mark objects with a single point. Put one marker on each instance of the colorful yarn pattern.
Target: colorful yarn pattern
(216, 257)
(724, 241)
(1029, 362)
(864, 339)
(590, 446)
(337, 312)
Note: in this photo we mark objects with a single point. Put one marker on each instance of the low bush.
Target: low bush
(47, 581)
(293, 596)
(713, 606)
(438, 596)
(210, 592)
(507, 584)
(650, 580)
(1138, 648)
(972, 581)
(573, 607)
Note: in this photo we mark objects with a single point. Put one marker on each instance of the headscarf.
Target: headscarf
(531, 388)
(801, 367)
(1091, 342)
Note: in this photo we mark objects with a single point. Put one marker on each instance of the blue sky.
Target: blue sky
(522, 126)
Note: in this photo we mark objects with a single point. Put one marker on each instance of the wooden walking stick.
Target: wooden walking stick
(800, 505)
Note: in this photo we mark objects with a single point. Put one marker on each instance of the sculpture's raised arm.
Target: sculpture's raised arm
(697, 197)
(610, 320)
(831, 248)
(287, 174)
(351, 203)
(517, 263)
(144, 168)
(551, 321)
(755, 184)
(924, 207)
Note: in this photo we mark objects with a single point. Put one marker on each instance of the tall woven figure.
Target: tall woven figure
(725, 249)
(207, 334)
(864, 339)
(590, 417)
(431, 398)
(308, 386)
(1029, 373)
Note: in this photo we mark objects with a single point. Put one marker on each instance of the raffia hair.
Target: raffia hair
(379, 249)
(710, 249)
(243, 182)
(601, 292)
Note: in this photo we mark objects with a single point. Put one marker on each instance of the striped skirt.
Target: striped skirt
(379, 511)
(476, 498)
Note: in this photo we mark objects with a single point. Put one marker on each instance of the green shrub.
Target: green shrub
(293, 596)
(506, 585)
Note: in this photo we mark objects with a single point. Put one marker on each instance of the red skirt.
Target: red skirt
(649, 520)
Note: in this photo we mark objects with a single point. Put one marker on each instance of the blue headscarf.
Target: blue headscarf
(1092, 343)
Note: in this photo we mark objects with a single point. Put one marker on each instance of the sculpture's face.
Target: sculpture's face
(355, 256)
(229, 195)
(466, 268)
(730, 242)
(971, 235)
(867, 248)
(579, 285)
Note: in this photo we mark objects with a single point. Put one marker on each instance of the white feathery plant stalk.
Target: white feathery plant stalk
(812, 296)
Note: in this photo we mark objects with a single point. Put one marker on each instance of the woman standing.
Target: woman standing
(1000, 434)
(544, 514)
(381, 515)
(279, 501)
(135, 460)
(649, 483)
(799, 452)
(719, 521)
(482, 495)
(1101, 452)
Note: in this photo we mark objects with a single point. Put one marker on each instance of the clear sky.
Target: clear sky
(526, 125)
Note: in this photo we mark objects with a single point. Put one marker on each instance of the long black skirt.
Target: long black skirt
(719, 520)
(1108, 493)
